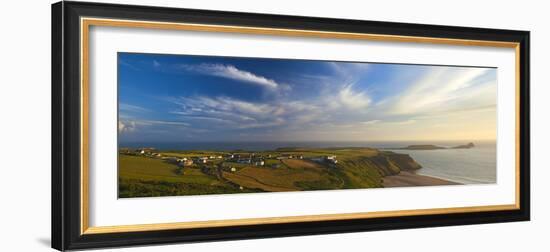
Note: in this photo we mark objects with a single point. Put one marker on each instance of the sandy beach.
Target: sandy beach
(405, 178)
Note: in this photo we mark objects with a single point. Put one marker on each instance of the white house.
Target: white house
(331, 159)
(259, 163)
(203, 160)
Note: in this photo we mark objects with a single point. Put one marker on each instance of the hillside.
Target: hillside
(284, 169)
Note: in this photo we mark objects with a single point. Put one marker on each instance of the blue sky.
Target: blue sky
(177, 98)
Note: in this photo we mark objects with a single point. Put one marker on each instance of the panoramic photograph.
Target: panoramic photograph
(200, 125)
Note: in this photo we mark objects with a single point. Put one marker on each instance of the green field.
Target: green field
(146, 175)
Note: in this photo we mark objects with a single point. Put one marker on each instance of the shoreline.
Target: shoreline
(407, 178)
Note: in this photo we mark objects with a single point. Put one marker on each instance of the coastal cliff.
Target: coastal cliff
(369, 167)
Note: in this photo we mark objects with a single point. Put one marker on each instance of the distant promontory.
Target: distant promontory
(435, 147)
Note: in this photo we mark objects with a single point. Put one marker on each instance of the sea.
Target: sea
(476, 165)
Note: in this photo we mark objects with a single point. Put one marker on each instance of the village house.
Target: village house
(145, 150)
(331, 159)
(186, 162)
(259, 163)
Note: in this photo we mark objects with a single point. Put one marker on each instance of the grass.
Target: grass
(254, 183)
(141, 177)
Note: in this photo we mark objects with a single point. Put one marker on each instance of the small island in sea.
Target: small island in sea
(149, 172)
(434, 147)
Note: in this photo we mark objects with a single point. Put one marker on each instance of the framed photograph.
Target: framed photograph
(180, 125)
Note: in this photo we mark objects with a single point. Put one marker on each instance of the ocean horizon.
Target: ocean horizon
(272, 145)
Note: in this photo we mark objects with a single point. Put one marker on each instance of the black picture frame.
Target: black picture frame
(66, 155)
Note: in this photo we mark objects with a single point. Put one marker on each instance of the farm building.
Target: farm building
(331, 159)
(259, 163)
(145, 150)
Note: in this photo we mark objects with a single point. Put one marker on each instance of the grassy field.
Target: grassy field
(142, 177)
(145, 176)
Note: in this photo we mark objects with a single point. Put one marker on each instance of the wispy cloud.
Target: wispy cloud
(124, 63)
(443, 90)
(371, 122)
(353, 99)
(232, 72)
(125, 107)
(156, 63)
(132, 125)
(230, 113)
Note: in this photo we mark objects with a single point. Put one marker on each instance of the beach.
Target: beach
(405, 178)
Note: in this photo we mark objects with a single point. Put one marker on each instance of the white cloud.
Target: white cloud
(442, 90)
(354, 100)
(231, 72)
(129, 125)
(406, 122)
(132, 108)
(229, 113)
(371, 122)
(126, 126)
